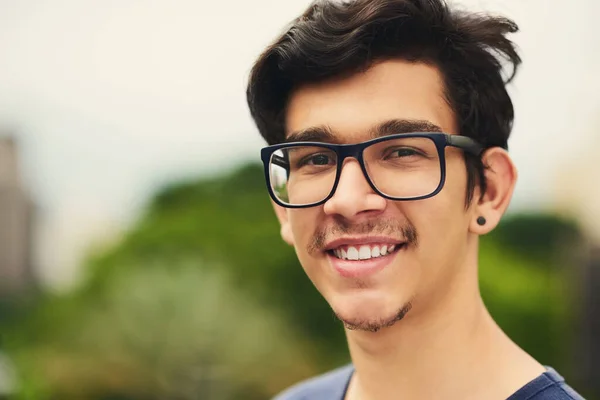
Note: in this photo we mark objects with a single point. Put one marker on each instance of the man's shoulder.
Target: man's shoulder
(333, 384)
(329, 386)
(548, 386)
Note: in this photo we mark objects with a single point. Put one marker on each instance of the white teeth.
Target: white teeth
(352, 253)
(375, 251)
(364, 253)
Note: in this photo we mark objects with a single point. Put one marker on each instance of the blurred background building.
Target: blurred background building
(576, 188)
(16, 217)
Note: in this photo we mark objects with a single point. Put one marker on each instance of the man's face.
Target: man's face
(428, 237)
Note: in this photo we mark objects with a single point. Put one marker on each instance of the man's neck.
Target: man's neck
(453, 352)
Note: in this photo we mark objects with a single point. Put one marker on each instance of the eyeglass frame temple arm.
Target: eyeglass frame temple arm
(465, 143)
(280, 161)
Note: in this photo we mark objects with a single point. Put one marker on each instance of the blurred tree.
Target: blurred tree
(541, 237)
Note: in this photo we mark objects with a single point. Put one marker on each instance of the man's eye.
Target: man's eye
(404, 152)
(317, 159)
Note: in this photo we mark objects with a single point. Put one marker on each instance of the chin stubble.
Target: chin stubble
(375, 325)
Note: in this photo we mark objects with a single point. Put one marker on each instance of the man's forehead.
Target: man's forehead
(404, 96)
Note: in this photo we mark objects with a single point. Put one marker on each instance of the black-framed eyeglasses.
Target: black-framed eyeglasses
(405, 166)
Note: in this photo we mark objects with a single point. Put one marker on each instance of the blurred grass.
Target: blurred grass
(201, 299)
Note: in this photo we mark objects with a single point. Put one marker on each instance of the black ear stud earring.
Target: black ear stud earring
(481, 221)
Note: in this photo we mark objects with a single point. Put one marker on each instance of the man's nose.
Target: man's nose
(353, 195)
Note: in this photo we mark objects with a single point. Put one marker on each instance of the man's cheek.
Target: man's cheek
(303, 228)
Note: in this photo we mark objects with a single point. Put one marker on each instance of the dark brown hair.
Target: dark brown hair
(333, 39)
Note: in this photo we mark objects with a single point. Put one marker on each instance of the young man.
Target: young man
(388, 123)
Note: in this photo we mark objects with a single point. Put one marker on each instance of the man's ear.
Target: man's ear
(286, 230)
(501, 178)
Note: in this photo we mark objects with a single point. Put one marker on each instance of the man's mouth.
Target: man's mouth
(365, 251)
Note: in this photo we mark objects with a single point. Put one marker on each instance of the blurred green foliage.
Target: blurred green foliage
(202, 298)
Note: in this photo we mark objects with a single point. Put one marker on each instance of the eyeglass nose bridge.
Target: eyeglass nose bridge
(354, 151)
(350, 151)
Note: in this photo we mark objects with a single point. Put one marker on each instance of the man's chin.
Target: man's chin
(374, 324)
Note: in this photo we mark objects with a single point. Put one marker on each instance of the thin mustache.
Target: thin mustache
(405, 231)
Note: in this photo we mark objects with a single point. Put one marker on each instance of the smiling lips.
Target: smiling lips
(360, 257)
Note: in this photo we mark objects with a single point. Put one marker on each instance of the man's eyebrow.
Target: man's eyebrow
(321, 134)
(324, 134)
(394, 126)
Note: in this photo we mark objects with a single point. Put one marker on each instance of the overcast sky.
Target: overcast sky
(110, 99)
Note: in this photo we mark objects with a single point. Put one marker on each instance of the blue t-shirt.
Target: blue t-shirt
(332, 386)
